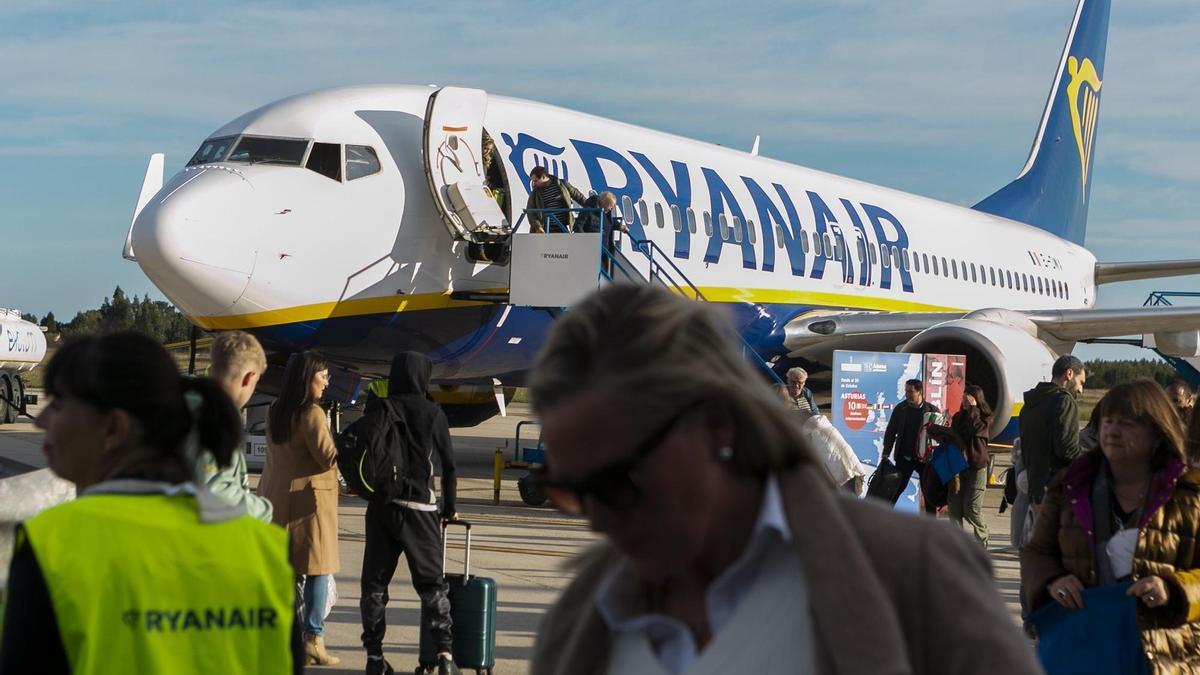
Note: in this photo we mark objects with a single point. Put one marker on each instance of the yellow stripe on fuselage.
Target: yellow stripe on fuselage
(817, 299)
(332, 310)
(428, 301)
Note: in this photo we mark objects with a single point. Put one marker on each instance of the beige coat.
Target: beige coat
(300, 479)
(891, 594)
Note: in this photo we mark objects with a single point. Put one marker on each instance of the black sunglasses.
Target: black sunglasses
(616, 485)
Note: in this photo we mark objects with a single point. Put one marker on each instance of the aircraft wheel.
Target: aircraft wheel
(8, 413)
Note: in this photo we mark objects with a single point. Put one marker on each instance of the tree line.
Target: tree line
(160, 320)
(157, 318)
(1107, 374)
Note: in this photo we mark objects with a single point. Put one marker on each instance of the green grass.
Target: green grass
(1087, 401)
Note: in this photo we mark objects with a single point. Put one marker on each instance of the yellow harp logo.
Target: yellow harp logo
(1083, 92)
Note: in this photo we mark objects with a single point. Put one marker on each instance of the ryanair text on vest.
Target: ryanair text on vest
(209, 618)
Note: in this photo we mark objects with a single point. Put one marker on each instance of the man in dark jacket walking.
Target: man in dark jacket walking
(411, 525)
(1049, 424)
(551, 199)
(902, 430)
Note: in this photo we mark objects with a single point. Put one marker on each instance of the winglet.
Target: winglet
(754, 150)
(151, 184)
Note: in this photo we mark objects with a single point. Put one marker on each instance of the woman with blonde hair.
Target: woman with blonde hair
(726, 546)
(1127, 511)
(300, 479)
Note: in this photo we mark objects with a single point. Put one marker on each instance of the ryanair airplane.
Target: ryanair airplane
(361, 221)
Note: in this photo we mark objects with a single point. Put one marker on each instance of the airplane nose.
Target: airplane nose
(194, 240)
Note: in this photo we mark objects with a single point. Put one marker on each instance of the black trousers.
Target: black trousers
(391, 531)
(906, 466)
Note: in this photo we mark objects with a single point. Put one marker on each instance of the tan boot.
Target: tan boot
(314, 651)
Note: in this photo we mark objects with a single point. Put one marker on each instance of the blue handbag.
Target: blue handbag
(948, 461)
(1100, 639)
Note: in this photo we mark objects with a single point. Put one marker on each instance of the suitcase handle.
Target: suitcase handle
(467, 549)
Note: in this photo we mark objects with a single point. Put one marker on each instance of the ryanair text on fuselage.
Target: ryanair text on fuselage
(850, 224)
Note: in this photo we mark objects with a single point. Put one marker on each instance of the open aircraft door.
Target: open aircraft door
(454, 165)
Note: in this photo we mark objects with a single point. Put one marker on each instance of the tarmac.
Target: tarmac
(523, 548)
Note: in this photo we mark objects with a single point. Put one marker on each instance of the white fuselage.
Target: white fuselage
(238, 245)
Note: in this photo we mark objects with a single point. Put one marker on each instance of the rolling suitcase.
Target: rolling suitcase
(885, 482)
(473, 613)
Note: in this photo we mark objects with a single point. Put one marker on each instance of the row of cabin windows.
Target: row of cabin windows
(833, 248)
(966, 271)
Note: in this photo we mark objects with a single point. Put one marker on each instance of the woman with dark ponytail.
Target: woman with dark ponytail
(300, 479)
(142, 553)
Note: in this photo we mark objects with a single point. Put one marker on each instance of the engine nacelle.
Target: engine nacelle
(1005, 359)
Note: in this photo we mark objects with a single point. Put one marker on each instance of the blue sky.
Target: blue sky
(936, 97)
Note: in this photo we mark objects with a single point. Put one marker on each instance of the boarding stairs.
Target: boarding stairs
(1188, 368)
(555, 269)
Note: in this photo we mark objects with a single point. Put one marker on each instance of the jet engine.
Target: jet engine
(1004, 356)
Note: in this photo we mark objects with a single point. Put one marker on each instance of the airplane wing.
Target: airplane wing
(1084, 324)
(1063, 325)
(1111, 272)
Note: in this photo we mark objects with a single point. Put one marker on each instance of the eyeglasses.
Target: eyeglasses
(616, 485)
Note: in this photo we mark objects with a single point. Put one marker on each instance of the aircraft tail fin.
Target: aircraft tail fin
(1053, 188)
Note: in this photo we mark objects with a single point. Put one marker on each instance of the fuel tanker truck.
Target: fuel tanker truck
(22, 348)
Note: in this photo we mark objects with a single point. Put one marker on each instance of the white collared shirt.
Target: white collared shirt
(621, 603)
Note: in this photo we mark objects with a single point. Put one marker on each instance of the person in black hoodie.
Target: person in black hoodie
(411, 526)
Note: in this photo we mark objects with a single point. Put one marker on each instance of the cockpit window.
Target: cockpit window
(326, 159)
(256, 150)
(361, 160)
(212, 150)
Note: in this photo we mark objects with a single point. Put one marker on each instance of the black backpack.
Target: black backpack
(372, 456)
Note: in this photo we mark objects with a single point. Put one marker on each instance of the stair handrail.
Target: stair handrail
(1185, 369)
(669, 274)
(1158, 298)
(561, 227)
(647, 248)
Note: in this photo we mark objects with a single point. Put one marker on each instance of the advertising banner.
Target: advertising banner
(866, 386)
(945, 378)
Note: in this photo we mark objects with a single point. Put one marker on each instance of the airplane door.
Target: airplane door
(453, 139)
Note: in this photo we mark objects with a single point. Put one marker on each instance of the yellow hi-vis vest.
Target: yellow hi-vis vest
(140, 585)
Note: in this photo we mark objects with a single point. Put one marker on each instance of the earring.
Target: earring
(725, 453)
